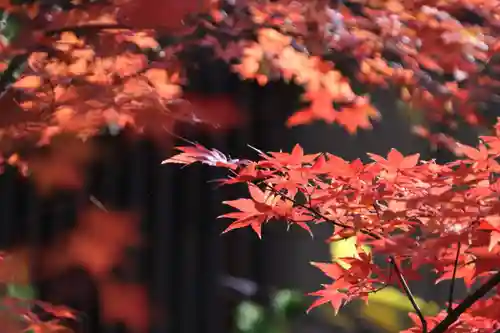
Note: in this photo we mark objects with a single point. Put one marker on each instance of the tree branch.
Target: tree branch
(466, 304)
(409, 294)
(452, 285)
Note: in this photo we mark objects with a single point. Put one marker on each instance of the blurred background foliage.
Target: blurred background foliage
(386, 310)
(18, 294)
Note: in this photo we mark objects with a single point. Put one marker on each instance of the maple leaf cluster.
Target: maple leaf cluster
(441, 55)
(80, 83)
(93, 64)
(416, 213)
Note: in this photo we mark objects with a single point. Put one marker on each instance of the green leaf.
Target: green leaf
(25, 292)
(248, 316)
(9, 27)
(289, 304)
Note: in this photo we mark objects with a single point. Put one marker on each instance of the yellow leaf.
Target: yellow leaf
(387, 305)
(143, 41)
(168, 91)
(68, 37)
(346, 248)
(384, 316)
(79, 67)
(63, 114)
(157, 75)
(28, 82)
(394, 298)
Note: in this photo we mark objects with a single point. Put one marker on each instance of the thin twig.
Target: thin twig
(319, 214)
(409, 294)
(453, 279)
(98, 203)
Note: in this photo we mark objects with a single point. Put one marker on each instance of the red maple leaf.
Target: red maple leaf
(253, 212)
(321, 108)
(357, 115)
(395, 160)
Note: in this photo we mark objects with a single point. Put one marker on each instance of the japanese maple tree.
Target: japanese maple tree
(414, 213)
(74, 67)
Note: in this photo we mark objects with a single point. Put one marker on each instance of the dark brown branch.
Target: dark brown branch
(453, 279)
(443, 326)
(409, 294)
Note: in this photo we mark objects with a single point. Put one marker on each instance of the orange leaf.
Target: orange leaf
(357, 116)
(53, 173)
(300, 118)
(99, 241)
(28, 82)
(321, 108)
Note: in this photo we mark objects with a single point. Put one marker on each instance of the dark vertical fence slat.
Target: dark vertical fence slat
(7, 205)
(162, 237)
(240, 261)
(133, 197)
(186, 216)
(190, 208)
(209, 305)
(108, 175)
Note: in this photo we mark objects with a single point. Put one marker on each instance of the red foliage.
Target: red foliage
(87, 65)
(417, 213)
